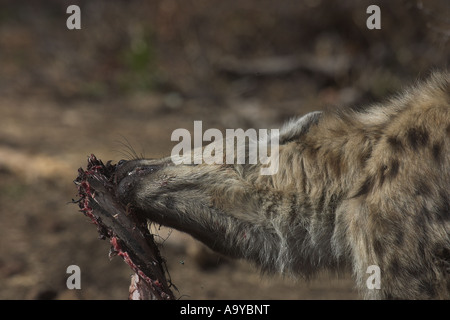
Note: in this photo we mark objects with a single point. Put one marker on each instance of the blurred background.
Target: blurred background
(136, 71)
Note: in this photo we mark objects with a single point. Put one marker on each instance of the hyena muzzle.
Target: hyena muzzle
(354, 188)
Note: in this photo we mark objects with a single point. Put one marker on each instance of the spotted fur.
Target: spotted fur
(354, 188)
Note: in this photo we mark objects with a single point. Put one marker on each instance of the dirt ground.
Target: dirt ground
(136, 71)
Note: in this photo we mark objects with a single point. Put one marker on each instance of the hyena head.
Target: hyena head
(353, 188)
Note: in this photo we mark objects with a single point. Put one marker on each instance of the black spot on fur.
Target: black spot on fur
(378, 248)
(303, 176)
(321, 203)
(334, 202)
(422, 188)
(413, 271)
(271, 209)
(421, 249)
(395, 143)
(382, 175)
(443, 209)
(365, 156)
(399, 237)
(395, 268)
(293, 208)
(428, 288)
(389, 171)
(443, 257)
(389, 296)
(437, 152)
(393, 170)
(417, 137)
(366, 187)
(335, 164)
(290, 157)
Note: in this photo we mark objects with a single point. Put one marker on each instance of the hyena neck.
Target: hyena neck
(318, 171)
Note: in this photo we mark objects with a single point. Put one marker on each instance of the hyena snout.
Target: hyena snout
(131, 174)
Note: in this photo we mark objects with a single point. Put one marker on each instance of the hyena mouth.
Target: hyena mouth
(126, 229)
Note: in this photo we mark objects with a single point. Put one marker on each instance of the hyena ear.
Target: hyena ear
(297, 127)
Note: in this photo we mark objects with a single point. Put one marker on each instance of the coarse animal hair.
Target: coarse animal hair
(354, 188)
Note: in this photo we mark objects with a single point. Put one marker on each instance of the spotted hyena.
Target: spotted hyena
(354, 188)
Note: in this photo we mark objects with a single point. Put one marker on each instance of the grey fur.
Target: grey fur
(353, 189)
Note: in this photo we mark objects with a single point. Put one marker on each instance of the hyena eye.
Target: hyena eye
(121, 162)
(144, 170)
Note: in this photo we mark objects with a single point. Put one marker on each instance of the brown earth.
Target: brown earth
(136, 71)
